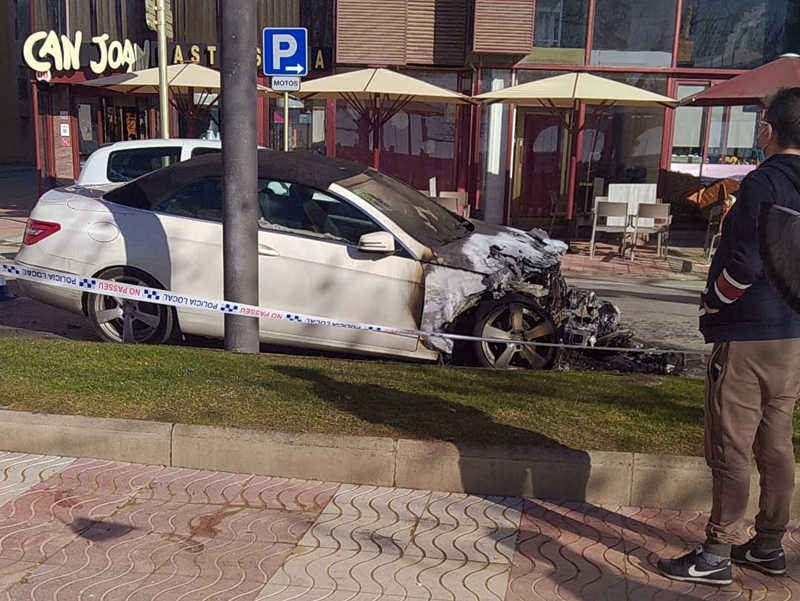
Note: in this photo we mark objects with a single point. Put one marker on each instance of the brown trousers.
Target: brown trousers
(751, 389)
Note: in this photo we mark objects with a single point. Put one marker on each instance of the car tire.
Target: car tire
(514, 318)
(128, 321)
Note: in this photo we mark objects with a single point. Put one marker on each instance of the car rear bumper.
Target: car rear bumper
(63, 298)
(68, 300)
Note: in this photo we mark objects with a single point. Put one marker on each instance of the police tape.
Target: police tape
(158, 296)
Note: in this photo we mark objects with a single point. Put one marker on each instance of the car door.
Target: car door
(309, 263)
(191, 220)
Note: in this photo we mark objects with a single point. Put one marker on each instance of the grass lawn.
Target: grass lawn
(591, 411)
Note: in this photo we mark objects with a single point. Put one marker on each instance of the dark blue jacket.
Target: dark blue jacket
(749, 307)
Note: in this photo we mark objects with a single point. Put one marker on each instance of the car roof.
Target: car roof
(309, 169)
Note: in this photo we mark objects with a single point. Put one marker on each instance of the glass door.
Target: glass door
(88, 127)
(540, 166)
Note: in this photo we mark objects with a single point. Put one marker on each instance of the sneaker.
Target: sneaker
(693, 568)
(768, 562)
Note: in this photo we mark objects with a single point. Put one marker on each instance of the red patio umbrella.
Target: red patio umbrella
(752, 87)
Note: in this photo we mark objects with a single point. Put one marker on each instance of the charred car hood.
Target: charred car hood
(496, 249)
(492, 260)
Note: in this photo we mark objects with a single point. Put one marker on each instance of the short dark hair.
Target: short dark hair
(783, 113)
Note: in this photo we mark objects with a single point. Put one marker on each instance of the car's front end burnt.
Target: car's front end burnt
(494, 263)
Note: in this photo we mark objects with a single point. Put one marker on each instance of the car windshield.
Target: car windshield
(415, 213)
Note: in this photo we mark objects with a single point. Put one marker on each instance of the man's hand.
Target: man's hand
(709, 310)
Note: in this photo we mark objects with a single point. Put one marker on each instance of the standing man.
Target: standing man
(753, 377)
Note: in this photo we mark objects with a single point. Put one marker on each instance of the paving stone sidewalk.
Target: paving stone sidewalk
(80, 529)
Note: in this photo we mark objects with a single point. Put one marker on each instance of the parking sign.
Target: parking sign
(285, 51)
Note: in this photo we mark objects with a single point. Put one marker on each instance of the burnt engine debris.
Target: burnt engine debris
(591, 322)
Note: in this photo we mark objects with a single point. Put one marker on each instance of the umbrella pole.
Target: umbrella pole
(572, 177)
(191, 115)
(377, 126)
(163, 86)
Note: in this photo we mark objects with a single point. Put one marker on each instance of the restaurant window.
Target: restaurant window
(418, 143)
(689, 134)
(307, 125)
(634, 33)
(559, 35)
(737, 34)
(716, 142)
(623, 144)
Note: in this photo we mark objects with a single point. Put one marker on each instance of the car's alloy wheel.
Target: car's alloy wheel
(515, 320)
(130, 321)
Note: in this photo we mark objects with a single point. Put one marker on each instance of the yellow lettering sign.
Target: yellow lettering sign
(101, 65)
(258, 58)
(195, 52)
(177, 58)
(31, 57)
(72, 51)
(44, 51)
(320, 64)
(52, 48)
(212, 55)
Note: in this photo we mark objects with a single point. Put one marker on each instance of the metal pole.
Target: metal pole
(163, 86)
(286, 122)
(239, 170)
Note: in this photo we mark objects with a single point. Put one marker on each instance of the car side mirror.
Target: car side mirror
(377, 242)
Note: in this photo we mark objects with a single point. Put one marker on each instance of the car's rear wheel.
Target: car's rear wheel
(130, 321)
(516, 319)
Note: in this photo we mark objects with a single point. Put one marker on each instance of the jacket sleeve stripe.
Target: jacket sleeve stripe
(733, 282)
(727, 293)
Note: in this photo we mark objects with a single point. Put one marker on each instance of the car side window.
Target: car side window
(200, 199)
(126, 165)
(299, 209)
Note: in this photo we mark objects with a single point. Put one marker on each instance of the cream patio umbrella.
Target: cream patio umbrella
(377, 95)
(184, 81)
(572, 91)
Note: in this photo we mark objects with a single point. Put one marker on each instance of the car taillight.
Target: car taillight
(36, 231)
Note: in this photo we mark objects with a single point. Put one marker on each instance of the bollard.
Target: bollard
(4, 294)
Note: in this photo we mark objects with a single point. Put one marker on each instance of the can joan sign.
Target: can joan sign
(45, 51)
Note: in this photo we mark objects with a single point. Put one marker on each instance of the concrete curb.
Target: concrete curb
(603, 478)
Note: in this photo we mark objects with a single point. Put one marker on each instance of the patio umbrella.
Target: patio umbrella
(377, 95)
(752, 87)
(184, 81)
(572, 91)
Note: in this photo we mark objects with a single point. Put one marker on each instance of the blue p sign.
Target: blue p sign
(285, 51)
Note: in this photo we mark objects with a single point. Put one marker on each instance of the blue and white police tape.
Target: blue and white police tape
(164, 297)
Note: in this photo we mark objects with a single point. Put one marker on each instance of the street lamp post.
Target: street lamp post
(240, 169)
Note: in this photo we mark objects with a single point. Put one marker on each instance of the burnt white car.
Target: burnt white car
(336, 239)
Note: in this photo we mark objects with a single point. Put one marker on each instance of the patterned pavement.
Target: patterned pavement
(89, 529)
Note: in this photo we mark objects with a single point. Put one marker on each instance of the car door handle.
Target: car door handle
(267, 251)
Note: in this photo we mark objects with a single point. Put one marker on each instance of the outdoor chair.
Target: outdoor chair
(451, 204)
(604, 211)
(461, 198)
(661, 215)
(714, 227)
(558, 210)
(714, 231)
